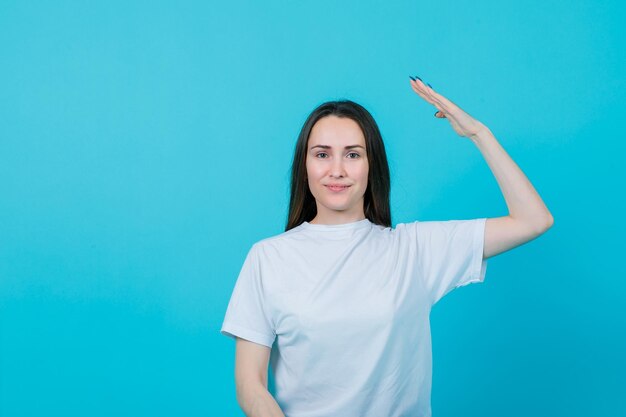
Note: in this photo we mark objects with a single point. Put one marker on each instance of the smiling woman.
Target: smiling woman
(336, 172)
(339, 145)
(338, 304)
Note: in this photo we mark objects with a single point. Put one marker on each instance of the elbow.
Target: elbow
(545, 224)
(248, 397)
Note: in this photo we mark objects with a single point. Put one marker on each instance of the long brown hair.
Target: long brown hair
(302, 205)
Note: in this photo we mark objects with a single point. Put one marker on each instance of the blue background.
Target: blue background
(145, 146)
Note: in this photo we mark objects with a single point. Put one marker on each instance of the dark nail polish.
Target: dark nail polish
(412, 78)
(418, 78)
(429, 85)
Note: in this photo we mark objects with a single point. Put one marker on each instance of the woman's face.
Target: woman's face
(336, 156)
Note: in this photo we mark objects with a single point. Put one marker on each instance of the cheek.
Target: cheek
(312, 170)
(311, 179)
(365, 172)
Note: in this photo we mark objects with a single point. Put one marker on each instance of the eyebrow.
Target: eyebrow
(328, 147)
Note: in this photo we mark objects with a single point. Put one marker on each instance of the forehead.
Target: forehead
(336, 131)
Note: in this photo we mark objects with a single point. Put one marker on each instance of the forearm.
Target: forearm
(256, 401)
(522, 200)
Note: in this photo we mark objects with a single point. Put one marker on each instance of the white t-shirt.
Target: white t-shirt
(348, 309)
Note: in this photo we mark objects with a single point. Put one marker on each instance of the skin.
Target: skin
(337, 163)
(528, 216)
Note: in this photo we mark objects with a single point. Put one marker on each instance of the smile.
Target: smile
(337, 189)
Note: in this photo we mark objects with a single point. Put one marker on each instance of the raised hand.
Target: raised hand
(462, 123)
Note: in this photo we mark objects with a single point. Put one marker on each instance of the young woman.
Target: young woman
(339, 303)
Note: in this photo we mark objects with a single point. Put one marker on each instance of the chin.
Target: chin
(339, 207)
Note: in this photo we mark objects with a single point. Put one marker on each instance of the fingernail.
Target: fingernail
(412, 78)
(418, 78)
(429, 85)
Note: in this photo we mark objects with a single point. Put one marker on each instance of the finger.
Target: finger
(420, 84)
(421, 92)
(421, 88)
(439, 104)
(432, 99)
(448, 104)
(446, 108)
(427, 93)
(444, 104)
(435, 98)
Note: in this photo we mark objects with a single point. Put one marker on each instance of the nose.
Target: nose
(337, 169)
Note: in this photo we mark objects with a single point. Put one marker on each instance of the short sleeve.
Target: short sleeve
(246, 315)
(450, 254)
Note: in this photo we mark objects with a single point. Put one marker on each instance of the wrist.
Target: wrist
(481, 134)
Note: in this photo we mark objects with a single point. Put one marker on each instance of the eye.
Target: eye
(354, 153)
(321, 153)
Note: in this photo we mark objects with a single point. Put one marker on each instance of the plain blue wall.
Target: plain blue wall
(145, 146)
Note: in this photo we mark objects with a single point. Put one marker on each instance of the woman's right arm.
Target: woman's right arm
(251, 363)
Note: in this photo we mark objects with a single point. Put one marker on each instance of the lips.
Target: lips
(337, 187)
